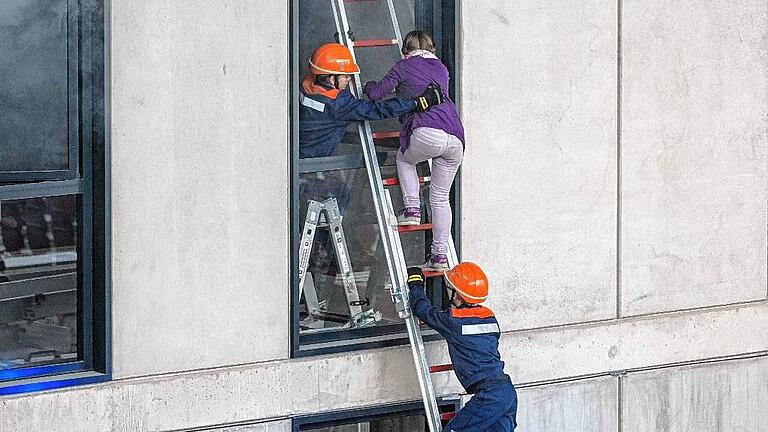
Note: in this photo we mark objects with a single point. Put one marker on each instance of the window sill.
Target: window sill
(358, 344)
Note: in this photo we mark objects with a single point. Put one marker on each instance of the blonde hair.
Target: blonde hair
(417, 40)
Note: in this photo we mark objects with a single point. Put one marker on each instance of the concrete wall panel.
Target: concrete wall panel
(539, 175)
(694, 143)
(583, 406)
(533, 356)
(729, 396)
(199, 91)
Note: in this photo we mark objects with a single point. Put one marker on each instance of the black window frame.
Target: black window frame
(351, 416)
(445, 21)
(88, 177)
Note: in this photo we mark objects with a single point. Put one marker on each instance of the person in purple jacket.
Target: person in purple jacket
(436, 134)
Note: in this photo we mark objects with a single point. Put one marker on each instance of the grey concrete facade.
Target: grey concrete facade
(585, 406)
(194, 128)
(543, 130)
(693, 154)
(630, 138)
(729, 396)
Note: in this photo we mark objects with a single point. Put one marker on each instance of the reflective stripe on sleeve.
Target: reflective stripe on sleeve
(311, 103)
(476, 329)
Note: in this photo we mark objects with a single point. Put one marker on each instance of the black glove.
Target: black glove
(432, 96)
(415, 277)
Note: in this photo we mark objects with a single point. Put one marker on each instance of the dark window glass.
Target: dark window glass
(34, 69)
(38, 282)
(407, 417)
(411, 423)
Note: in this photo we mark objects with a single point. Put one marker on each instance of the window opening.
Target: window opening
(408, 417)
(53, 201)
(325, 314)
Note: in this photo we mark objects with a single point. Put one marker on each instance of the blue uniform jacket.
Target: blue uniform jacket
(323, 120)
(472, 335)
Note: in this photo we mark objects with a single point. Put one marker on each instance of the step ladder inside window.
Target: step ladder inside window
(326, 214)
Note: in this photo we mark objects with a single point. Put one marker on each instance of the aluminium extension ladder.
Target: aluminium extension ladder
(386, 216)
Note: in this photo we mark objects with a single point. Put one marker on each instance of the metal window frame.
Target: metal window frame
(448, 14)
(345, 417)
(92, 187)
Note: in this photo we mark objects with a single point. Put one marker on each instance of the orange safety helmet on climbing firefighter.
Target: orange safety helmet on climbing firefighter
(469, 281)
(333, 59)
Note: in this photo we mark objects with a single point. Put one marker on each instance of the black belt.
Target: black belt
(472, 389)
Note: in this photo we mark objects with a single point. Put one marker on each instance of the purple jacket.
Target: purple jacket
(410, 77)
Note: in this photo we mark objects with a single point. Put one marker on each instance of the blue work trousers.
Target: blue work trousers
(493, 408)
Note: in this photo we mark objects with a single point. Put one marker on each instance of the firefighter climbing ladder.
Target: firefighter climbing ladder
(386, 216)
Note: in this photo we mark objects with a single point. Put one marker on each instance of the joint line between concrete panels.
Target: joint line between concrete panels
(618, 158)
(619, 404)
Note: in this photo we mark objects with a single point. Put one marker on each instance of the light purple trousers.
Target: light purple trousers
(446, 152)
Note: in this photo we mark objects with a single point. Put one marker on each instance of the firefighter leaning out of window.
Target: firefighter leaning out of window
(327, 107)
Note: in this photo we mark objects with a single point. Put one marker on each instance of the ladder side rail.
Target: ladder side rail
(342, 257)
(453, 258)
(310, 296)
(399, 294)
(336, 20)
(429, 398)
(307, 238)
(395, 26)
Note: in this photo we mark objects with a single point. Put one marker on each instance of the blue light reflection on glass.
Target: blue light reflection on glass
(49, 385)
(12, 374)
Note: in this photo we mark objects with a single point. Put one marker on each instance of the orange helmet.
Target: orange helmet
(333, 59)
(468, 281)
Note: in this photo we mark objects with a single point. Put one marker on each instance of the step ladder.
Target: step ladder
(327, 214)
(385, 214)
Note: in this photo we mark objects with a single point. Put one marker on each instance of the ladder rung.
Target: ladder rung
(434, 273)
(440, 368)
(382, 135)
(374, 43)
(447, 416)
(412, 228)
(395, 182)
